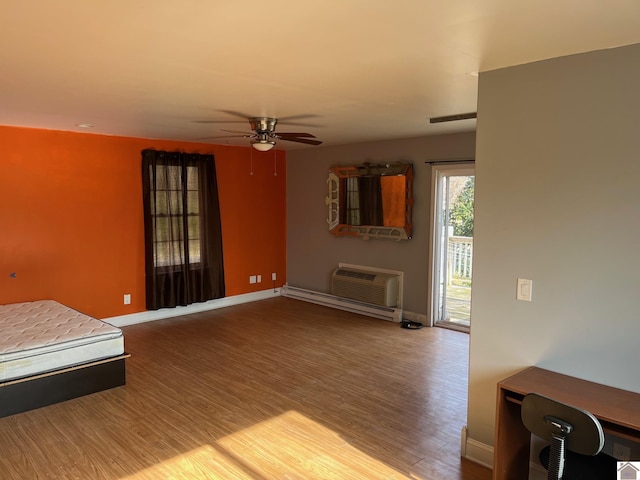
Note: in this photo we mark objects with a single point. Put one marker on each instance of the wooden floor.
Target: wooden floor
(276, 389)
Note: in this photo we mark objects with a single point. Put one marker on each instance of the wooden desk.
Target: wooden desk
(618, 412)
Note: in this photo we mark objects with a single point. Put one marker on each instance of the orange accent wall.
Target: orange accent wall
(394, 200)
(71, 224)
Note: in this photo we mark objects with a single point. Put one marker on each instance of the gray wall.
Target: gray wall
(312, 252)
(557, 201)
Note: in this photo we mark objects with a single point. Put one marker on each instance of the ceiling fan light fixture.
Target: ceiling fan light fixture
(263, 145)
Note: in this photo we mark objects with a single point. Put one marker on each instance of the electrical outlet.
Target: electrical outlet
(273, 276)
(252, 279)
(621, 452)
(259, 278)
(127, 299)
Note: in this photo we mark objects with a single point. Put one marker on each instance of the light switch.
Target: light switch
(524, 289)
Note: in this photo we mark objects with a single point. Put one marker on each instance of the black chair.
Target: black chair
(576, 438)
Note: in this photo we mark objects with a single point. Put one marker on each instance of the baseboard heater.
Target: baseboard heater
(391, 314)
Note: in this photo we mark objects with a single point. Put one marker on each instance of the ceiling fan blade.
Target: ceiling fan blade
(290, 120)
(302, 140)
(290, 134)
(297, 117)
(280, 119)
(223, 136)
(300, 124)
(247, 134)
(244, 117)
(237, 114)
(218, 121)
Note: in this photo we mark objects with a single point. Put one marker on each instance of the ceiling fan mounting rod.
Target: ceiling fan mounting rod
(263, 124)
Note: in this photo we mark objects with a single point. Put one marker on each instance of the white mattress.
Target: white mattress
(42, 336)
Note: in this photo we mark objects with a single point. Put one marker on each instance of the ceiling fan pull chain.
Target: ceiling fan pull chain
(275, 163)
(251, 161)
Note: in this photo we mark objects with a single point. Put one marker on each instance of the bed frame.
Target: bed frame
(23, 394)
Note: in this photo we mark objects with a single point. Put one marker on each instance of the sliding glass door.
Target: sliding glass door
(452, 245)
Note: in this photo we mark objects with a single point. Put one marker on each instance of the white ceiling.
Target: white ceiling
(358, 70)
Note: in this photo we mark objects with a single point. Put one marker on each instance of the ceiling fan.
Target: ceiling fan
(264, 136)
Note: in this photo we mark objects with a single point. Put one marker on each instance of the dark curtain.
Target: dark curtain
(370, 191)
(183, 234)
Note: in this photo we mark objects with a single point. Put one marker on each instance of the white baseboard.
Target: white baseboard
(328, 300)
(476, 451)
(391, 314)
(482, 454)
(151, 315)
(414, 317)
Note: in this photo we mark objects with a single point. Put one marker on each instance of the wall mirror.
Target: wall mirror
(371, 200)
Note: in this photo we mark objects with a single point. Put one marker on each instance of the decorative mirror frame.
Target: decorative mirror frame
(338, 172)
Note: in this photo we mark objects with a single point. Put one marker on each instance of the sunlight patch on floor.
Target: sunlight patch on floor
(289, 446)
(201, 463)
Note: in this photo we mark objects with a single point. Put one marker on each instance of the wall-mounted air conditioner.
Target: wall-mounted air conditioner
(365, 286)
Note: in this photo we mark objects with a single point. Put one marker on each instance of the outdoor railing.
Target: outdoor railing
(460, 257)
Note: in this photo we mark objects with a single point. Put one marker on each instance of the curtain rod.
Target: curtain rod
(442, 162)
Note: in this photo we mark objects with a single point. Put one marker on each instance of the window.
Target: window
(172, 192)
(183, 235)
(353, 202)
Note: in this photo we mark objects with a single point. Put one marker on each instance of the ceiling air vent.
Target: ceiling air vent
(453, 118)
